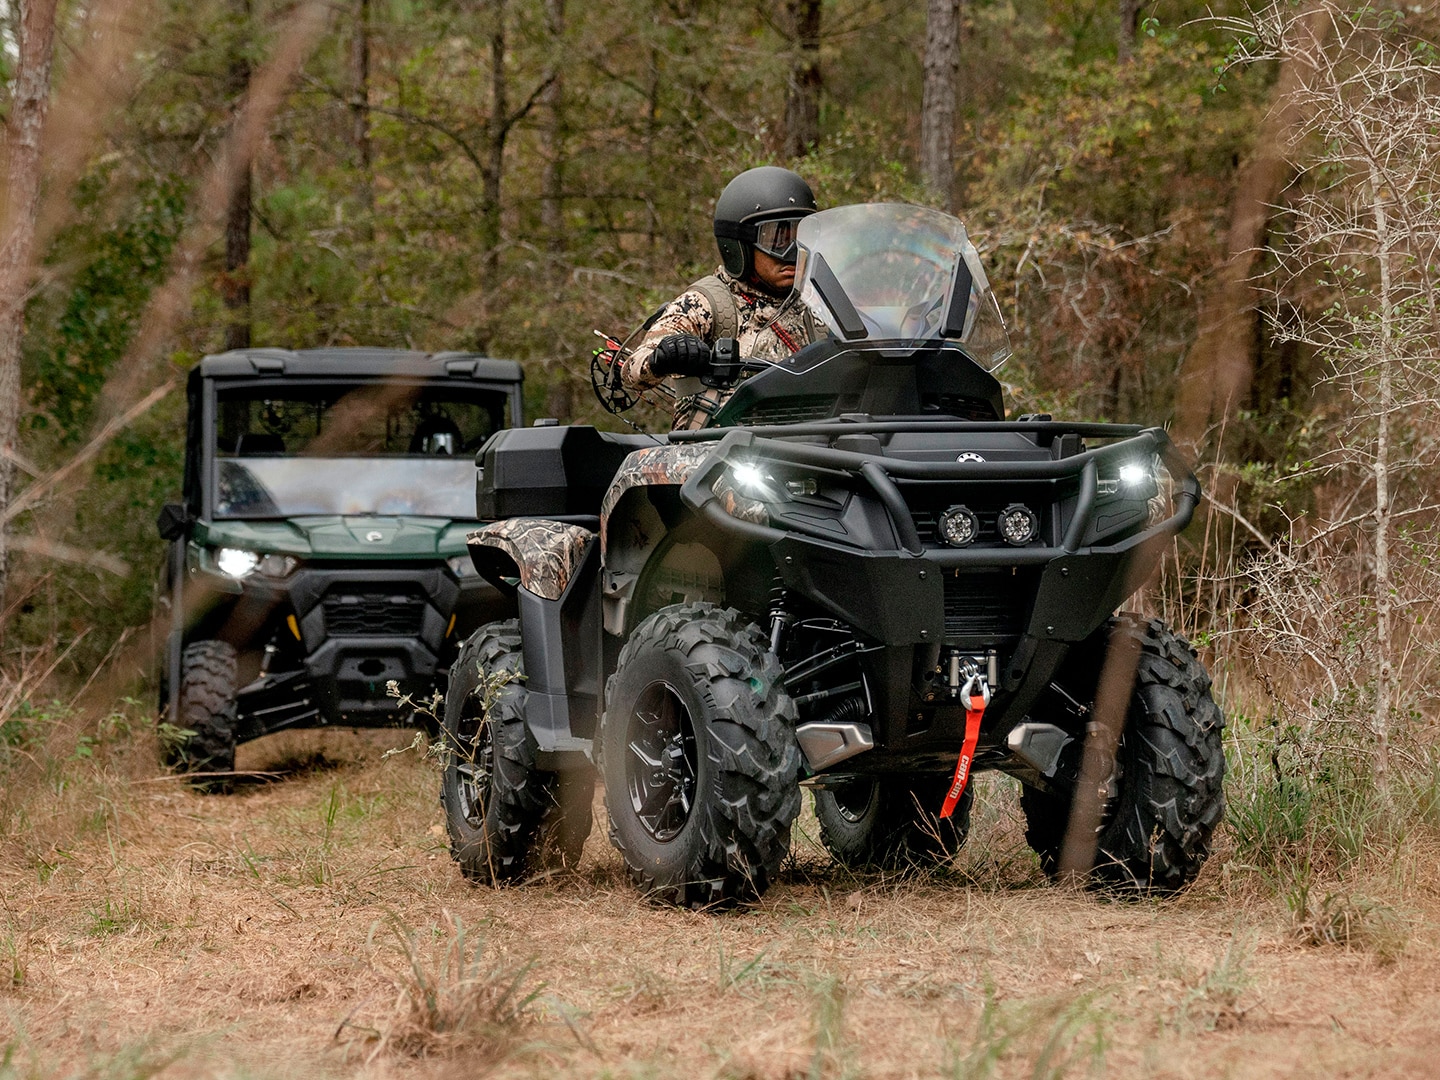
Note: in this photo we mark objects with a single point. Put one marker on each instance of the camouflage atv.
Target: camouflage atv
(861, 578)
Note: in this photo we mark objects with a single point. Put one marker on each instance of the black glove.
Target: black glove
(680, 354)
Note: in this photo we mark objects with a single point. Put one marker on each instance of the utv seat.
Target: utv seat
(259, 444)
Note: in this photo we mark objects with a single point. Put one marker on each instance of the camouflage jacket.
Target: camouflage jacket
(760, 335)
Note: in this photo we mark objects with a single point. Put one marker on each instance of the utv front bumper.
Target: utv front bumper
(324, 643)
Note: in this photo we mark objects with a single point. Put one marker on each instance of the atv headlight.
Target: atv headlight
(1134, 480)
(461, 566)
(236, 562)
(1018, 524)
(750, 480)
(959, 526)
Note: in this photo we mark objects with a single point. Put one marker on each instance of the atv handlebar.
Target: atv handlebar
(697, 493)
(727, 367)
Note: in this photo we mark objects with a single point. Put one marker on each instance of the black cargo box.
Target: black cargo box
(550, 472)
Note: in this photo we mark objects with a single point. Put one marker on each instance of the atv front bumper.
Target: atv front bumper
(897, 594)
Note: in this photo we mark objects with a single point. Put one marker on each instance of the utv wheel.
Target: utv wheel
(507, 819)
(891, 822)
(700, 761)
(207, 712)
(1170, 767)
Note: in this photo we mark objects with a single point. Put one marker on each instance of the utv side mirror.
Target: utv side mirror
(173, 520)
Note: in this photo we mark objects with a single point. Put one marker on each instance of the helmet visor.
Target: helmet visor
(777, 238)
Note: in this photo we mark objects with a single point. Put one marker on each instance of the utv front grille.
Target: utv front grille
(373, 613)
(988, 605)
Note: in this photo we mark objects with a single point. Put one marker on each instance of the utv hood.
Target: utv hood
(363, 537)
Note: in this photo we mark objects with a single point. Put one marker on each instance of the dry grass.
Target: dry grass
(314, 926)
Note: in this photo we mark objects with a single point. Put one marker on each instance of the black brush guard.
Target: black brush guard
(1095, 577)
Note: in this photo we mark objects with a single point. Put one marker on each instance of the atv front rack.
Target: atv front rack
(749, 445)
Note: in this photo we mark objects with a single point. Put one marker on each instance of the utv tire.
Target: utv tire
(699, 757)
(507, 819)
(892, 823)
(1156, 833)
(207, 711)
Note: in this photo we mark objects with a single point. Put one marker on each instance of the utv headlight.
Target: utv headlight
(276, 565)
(236, 562)
(1018, 524)
(461, 566)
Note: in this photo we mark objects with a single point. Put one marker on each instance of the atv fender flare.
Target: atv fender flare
(654, 466)
(639, 532)
(545, 555)
(559, 606)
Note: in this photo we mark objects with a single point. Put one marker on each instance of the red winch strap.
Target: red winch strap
(967, 755)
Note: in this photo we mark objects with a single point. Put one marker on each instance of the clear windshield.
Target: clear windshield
(276, 487)
(392, 447)
(890, 272)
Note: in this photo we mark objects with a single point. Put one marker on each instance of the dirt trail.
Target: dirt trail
(261, 935)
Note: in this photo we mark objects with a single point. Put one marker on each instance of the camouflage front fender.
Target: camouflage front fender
(654, 466)
(546, 553)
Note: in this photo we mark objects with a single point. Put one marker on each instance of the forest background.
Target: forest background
(1192, 214)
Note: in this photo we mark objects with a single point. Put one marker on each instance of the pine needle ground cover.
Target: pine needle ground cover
(312, 924)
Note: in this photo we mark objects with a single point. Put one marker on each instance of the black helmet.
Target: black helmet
(768, 193)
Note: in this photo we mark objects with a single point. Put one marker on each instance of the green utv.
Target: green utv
(859, 578)
(319, 553)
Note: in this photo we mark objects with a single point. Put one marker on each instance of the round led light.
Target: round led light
(1018, 524)
(236, 562)
(959, 526)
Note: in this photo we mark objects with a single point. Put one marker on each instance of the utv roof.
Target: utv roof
(364, 362)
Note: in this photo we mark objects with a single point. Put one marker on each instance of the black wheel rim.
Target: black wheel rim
(853, 799)
(474, 765)
(661, 761)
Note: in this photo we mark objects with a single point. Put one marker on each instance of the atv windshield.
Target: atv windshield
(386, 448)
(886, 272)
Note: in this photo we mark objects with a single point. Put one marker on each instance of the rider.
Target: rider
(756, 218)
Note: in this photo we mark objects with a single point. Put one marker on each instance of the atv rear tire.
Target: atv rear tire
(1156, 832)
(891, 823)
(507, 819)
(699, 757)
(207, 712)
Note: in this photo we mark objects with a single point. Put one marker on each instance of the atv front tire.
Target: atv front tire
(699, 757)
(207, 713)
(507, 819)
(891, 823)
(1155, 834)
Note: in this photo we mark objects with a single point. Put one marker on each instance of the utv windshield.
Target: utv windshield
(895, 273)
(381, 448)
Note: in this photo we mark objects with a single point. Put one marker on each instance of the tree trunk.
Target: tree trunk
(497, 130)
(1384, 405)
(360, 105)
(1129, 21)
(652, 135)
(24, 133)
(552, 196)
(937, 107)
(1217, 372)
(235, 287)
(802, 102)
